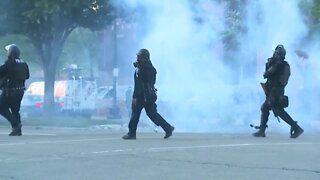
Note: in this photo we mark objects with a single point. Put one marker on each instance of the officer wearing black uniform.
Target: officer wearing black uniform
(277, 74)
(13, 74)
(144, 96)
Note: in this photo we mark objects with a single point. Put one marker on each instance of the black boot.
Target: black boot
(261, 132)
(263, 123)
(296, 130)
(129, 136)
(16, 131)
(160, 121)
(169, 132)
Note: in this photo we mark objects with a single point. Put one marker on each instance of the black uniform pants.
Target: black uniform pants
(265, 111)
(151, 110)
(10, 102)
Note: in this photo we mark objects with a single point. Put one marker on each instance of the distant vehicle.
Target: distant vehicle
(80, 97)
(104, 102)
(70, 96)
(103, 88)
(32, 105)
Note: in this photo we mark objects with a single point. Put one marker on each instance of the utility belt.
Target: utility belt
(12, 91)
(14, 88)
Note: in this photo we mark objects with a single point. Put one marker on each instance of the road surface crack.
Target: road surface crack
(229, 165)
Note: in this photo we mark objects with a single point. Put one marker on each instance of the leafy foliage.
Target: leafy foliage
(234, 17)
(48, 23)
(84, 48)
(311, 12)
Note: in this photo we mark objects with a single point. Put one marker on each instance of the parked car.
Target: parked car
(32, 105)
(72, 97)
(104, 102)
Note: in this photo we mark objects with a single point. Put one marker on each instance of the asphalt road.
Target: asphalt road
(94, 154)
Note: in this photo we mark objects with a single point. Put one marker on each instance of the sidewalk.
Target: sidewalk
(77, 122)
(97, 123)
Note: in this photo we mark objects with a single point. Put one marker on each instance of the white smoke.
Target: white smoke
(272, 22)
(195, 85)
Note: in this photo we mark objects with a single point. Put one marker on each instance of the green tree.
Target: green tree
(235, 14)
(235, 29)
(48, 23)
(84, 48)
(311, 11)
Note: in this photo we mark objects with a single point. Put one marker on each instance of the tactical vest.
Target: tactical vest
(20, 71)
(284, 76)
(281, 76)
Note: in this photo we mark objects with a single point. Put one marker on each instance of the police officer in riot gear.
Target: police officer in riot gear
(277, 74)
(13, 72)
(144, 96)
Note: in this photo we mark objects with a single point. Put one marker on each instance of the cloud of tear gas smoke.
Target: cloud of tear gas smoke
(272, 22)
(194, 84)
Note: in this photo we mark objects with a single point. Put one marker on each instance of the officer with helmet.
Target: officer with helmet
(277, 74)
(144, 96)
(13, 74)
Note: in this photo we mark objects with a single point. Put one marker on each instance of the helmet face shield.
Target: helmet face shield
(13, 50)
(7, 47)
(143, 54)
(279, 52)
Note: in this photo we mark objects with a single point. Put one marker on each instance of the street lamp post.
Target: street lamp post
(115, 113)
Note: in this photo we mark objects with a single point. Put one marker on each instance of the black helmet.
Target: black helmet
(144, 54)
(279, 52)
(13, 50)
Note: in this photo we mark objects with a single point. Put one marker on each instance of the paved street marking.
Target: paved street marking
(133, 150)
(157, 149)
(56, 141)
(32, 134)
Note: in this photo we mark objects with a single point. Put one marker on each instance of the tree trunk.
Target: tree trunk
(50, 47)
(49, 78)
(49, 54)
